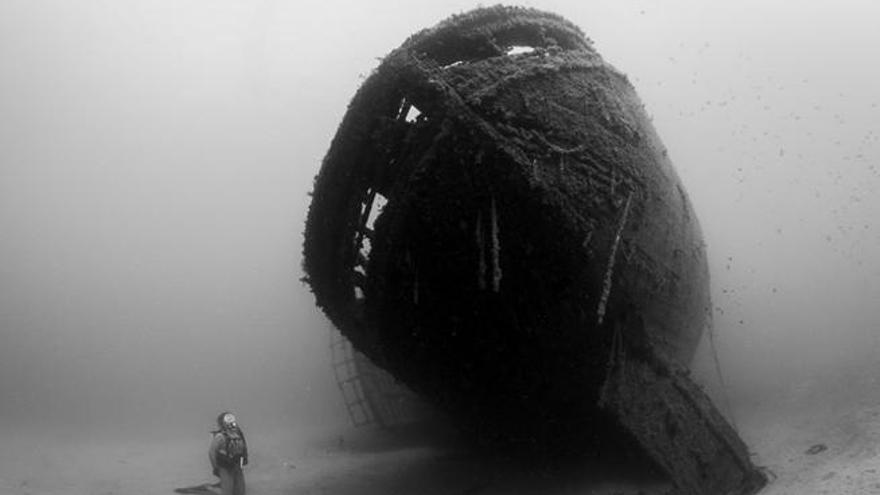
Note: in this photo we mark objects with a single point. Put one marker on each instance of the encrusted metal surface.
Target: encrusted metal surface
(495, 203)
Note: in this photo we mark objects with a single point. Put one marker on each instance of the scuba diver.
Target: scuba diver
(228, 454)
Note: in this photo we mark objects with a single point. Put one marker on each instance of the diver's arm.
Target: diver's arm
(216, 443)
(244, 459)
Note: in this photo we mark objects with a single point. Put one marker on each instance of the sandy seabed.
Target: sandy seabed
(820, 437)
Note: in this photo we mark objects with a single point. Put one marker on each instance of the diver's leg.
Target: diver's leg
(227, 482)
(239, 482)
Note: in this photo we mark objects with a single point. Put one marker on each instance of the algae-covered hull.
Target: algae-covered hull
(496, 217)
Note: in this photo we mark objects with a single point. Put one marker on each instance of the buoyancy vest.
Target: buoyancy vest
(233, 448)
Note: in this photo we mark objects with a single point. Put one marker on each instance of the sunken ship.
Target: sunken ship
(498, 226)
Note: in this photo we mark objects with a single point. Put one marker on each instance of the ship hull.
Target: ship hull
(531, 215)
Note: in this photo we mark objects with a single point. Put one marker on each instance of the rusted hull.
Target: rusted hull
(530, 208)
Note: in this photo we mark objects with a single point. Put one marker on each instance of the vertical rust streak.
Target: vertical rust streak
(496, 250)
(609, 272)
(481, 249)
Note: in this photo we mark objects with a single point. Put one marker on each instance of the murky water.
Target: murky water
(155, 164)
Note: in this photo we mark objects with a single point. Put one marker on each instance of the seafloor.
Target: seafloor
(821, 436)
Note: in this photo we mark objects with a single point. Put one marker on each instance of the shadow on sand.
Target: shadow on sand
(436, 462)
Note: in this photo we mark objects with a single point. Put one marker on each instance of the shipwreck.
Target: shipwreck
(498, 226)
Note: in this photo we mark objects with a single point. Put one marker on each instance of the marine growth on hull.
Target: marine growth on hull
(497, 224)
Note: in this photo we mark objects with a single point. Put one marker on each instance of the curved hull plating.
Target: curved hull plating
(531, 219)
